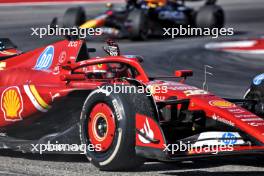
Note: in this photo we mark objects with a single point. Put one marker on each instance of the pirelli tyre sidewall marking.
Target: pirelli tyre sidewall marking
(119, 114)
(12, 104)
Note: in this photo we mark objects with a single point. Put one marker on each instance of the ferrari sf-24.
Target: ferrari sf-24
(54, 95)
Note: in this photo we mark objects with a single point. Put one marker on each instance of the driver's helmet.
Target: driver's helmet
(156, 3)
(98, 70)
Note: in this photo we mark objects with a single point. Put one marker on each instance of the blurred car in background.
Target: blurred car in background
(138, 20)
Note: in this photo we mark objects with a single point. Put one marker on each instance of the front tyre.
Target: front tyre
(108, 121)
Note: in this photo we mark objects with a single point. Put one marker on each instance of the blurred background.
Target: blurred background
(233, 67)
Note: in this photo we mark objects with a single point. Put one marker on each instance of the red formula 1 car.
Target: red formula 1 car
(58, 95)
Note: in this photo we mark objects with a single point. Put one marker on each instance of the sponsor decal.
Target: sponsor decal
(229, 138)
(218, 118)
(72, 57)
(45, 59)
(56, 70)
(2, 65)
(171, 83)
(62, 57)
(73, 44)
(218, 138)
(236, 111)
(255, 124)
(159, 98)
(245, 115)
(182, 87)
(195, 92)
(222, 104)
(252, 119)
(147, 131)
(258, 79)
(35, 98)
(12, 104)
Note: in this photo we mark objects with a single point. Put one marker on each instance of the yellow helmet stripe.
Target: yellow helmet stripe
(89, 24)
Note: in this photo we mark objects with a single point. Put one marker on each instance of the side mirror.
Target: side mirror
(183, 73)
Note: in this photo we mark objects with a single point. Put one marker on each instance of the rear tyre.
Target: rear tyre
(137, 24)
(210, 16)
(108, 121)
(74, 17)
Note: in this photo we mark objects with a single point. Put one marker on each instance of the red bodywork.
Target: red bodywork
(32, 82)
(41, 87)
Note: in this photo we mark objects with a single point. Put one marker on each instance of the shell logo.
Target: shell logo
(12, 104)
(222, 104)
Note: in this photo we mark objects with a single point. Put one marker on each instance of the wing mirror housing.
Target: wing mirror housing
(183, 74)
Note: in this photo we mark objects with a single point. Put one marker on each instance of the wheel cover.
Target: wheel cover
(101, 126)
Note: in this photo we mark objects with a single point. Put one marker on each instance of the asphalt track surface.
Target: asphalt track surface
(232, 75)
